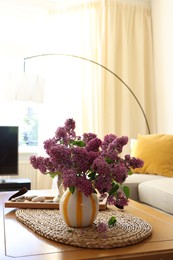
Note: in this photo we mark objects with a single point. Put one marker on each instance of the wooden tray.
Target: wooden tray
(47, 204)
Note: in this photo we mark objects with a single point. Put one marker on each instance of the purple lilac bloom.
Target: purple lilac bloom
(102, 227)
(61, 134)
(69, 178)
(50, 167)
(133, 162)
(100, 166)
(113, 146)
(103, 183)
(119, 172)
(81, 159)
(96, 165)
(48, 144)
(61, 155)
(70, 124)
(121, 200)
(69, 127)
(72, 178)
(111, 200)
(88, 137)
(38, 163)
(107, 140)
(84, 185)
(92, 157)
(120, 142)
(33, 161)
(103, 178)
(110, 152)
(93, 144)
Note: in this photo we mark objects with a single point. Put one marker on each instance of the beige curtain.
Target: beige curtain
(117, 35)
(129, 53)
(162, 20)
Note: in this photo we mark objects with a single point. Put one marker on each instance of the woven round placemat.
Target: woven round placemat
(48, 223)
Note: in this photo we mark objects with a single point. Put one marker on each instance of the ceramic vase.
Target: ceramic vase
(77, 210)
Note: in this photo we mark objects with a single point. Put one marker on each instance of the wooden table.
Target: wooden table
(19, 242)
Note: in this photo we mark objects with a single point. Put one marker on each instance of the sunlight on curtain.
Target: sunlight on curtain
(128, 52)
(115, 34)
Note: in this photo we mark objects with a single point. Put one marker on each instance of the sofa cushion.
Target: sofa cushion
(157, 193)
(135, 179)
(156, 150)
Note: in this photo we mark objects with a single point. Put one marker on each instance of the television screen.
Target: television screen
(8, 150)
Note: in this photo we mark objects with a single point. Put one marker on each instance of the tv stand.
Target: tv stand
(14, 184)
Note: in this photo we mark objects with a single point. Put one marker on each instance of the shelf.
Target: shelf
(14, 184)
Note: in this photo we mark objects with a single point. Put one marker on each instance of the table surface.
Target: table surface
(19, 242)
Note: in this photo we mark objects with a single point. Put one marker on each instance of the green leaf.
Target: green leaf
(126, 191)
(72, 189)
(70, 231)
(114, 189)
(79, 143)
(130, 172)
(53, 174)
(108, 160)
(114, 183)
(112, 221)
(92, 175)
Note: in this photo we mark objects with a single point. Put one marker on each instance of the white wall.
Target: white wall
(162, 15)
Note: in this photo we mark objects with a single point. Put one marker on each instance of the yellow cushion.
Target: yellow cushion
(156, 150)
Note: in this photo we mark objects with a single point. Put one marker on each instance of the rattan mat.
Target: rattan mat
(48, 223)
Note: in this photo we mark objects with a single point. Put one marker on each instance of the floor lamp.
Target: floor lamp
(102, 66)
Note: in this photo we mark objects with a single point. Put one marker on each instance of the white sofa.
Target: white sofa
(153, 183)
(154, 190)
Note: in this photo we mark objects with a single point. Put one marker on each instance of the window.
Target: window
(26, 116)
(28, 125)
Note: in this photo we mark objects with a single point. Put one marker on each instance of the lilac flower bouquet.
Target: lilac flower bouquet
(88, 163)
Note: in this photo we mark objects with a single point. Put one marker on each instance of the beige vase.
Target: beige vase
(77, 210)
